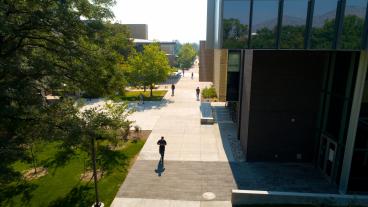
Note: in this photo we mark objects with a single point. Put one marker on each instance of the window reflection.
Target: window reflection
(264, 23)
(353, 24)
(293, 23)
(323, 27)
(235, 23)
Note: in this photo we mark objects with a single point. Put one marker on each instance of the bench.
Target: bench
(206, 113)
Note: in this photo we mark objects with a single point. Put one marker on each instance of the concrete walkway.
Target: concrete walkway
(196, 171)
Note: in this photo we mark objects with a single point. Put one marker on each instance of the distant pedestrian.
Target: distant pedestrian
(141, 98)
(172, 89)
(162, 143)
(183, 72)
(192, 75)
(198, 91)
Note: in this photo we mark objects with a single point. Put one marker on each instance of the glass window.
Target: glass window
(235, 24)
(233, 75)
(353, 24)
(323, 26)
(234, 62)
(293, 24)
(264, 23)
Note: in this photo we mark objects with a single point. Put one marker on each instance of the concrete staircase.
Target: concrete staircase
(222, 114)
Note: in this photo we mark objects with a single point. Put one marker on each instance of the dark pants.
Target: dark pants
(162, 152)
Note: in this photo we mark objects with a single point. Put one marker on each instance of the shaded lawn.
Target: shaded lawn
(62, 185)
(134, 95)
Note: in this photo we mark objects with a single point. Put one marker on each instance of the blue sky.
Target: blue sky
(183, 20)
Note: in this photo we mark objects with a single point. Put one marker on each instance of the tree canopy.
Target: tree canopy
(149, 67)
(187, 55)
(47, 45)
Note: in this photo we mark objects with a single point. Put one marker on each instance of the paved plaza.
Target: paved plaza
(196, 158)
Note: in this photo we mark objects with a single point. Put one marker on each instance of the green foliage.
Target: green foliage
(108, 122)
(46, 46)
(209, 92)
(265, 38)
(352, 32)
(322, 37)
(157, 95)
(186, 56)
(292, 37)
(235, 34)
(148, 68)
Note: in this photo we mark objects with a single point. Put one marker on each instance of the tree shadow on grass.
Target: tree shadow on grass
(23, 189)
(61, 158)
(8, 175)
(79, 196)
(110, 159)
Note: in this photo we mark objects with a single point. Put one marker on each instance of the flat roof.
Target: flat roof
(152, 41)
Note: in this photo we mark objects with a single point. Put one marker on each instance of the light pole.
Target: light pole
(97, 203)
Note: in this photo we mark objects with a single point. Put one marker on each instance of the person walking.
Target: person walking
(162, 143)
(141, 98)
(198, 91)
(192, 75)
(172, 89)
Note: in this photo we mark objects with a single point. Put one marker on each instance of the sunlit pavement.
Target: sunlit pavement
(196, 171)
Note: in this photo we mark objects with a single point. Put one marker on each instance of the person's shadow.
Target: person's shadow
(160, 167)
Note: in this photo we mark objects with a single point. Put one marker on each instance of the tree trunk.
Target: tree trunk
(151, 92)
(144, 88)
(33, 159)
(95, 171)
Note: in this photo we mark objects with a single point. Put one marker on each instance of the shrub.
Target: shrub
(209, 92)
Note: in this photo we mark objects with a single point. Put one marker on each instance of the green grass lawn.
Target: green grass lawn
(134, 95)
(62, 185)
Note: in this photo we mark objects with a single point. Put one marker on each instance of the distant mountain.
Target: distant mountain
(318, 21)
(287, 20)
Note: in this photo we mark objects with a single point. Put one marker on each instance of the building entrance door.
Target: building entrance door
(327, 156)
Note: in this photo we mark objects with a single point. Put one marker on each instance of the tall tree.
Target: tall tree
(106, 123)
(46, 45)
(187, 55)
(149, 67)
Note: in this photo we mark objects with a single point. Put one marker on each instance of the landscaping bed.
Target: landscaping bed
(157, 95)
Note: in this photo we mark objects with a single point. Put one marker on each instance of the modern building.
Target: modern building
(295, 72)
(167, 47)
(138, 31)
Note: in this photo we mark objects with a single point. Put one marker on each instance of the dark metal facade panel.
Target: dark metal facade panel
(250, 23)
(309, 23)
(365, 31)
(339, 19)
(279, 23)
